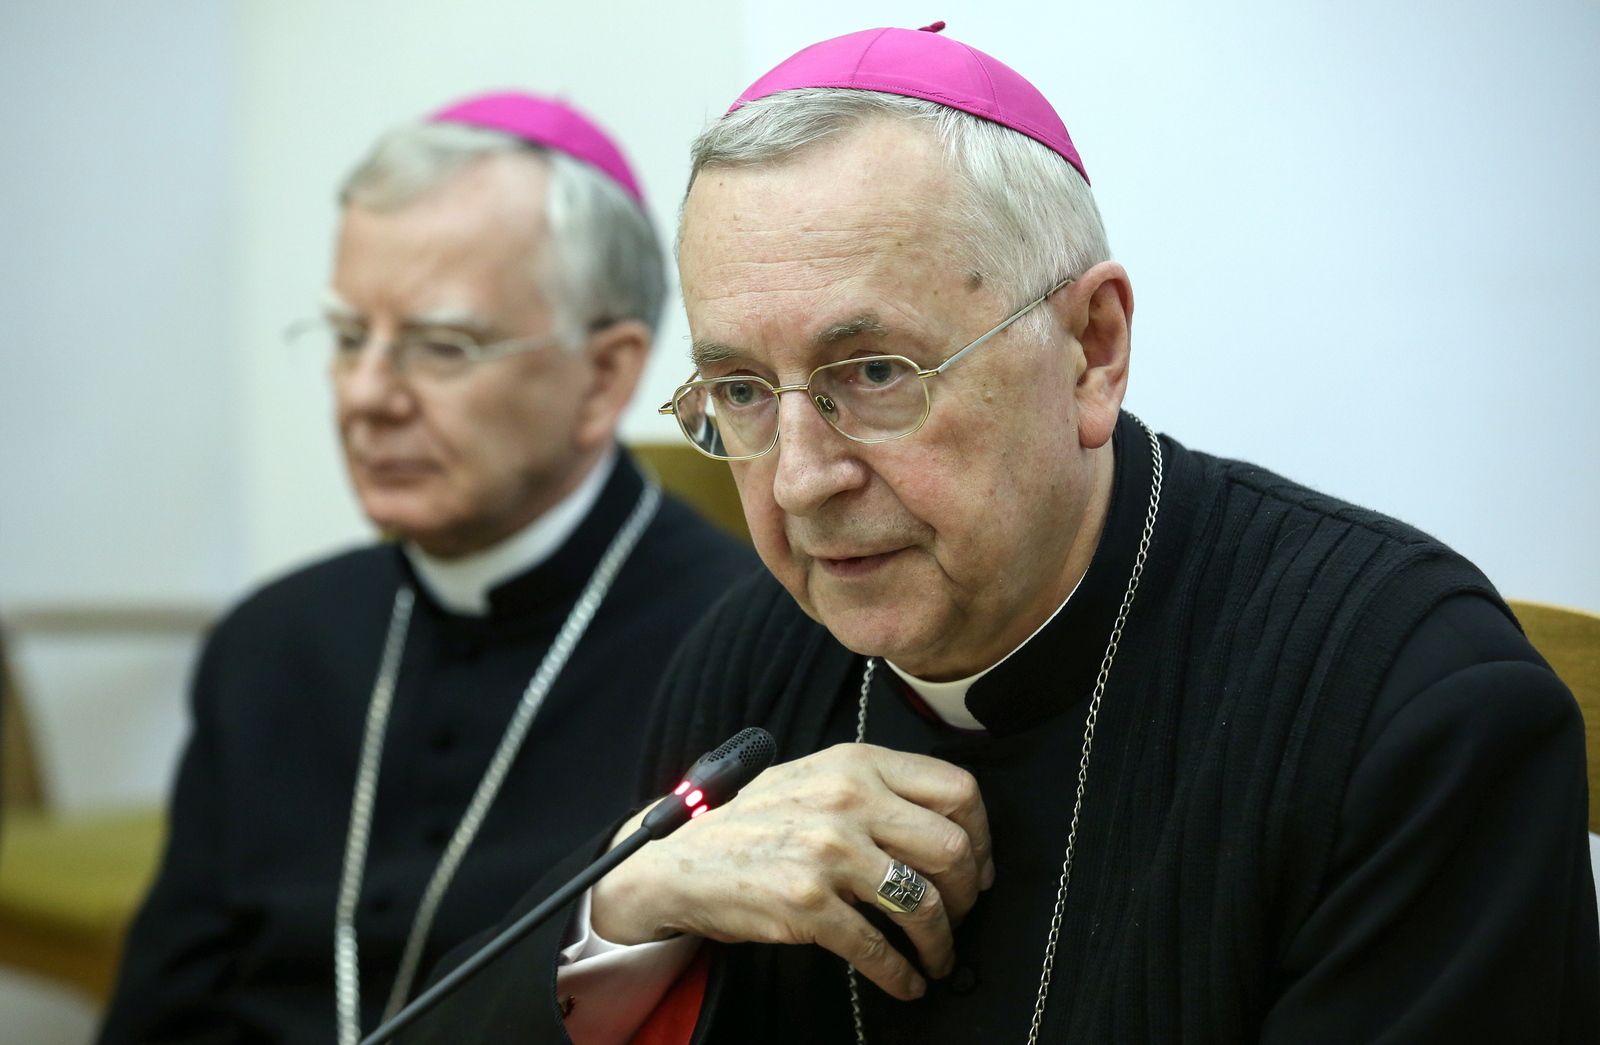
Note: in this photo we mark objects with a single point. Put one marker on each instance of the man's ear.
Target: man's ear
(617, 355)
(1096, 309)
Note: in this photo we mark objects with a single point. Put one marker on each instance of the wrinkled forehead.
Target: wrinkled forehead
(862, 227)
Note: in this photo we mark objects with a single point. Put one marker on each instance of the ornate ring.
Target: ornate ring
(902, 889)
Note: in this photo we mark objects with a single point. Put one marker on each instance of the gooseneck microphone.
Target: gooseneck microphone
(710, 782)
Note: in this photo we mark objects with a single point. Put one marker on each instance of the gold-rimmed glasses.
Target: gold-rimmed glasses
(436, 352)
(870, 399)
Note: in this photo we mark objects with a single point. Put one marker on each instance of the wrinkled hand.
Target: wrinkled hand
(788, 858)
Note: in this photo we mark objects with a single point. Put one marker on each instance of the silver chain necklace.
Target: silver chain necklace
(1052, 940)
(347, 976)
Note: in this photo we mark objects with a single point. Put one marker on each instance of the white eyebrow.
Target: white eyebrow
(450, 316)
(704, 353)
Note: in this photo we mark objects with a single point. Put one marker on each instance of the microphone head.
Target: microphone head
(713, 779)
(752, 748)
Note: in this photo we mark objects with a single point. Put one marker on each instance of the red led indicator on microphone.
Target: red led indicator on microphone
(697, 811)
(693, 797)
(681, 788)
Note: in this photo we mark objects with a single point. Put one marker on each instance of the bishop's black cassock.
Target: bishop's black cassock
(1335, 796)
(235, 944)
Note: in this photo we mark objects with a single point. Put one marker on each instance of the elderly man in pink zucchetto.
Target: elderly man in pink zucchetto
(390, 745)
(1084, 736)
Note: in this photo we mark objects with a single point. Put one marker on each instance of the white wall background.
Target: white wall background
(1364, 240)
(118, 475)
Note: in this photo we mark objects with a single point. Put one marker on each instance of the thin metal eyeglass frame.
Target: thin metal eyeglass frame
(671, 406)
(472, 352)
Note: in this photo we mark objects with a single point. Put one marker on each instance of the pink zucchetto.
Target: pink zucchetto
(919, 63)
(547, 122)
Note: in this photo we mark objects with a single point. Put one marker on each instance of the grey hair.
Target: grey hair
(605, 264)
(1026, 217)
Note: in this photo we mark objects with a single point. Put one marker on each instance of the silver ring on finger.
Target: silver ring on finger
(902, 889)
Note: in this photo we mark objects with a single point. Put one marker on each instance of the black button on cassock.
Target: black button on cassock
(963, 980)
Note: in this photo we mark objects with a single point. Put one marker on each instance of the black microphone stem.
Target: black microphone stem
(516, 931)
(714, 778)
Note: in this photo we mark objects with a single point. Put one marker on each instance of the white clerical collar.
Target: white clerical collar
(949, 699)
(463, 585)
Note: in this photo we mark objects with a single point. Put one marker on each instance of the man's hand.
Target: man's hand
(787, 860)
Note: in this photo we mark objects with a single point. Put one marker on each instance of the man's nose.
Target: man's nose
(371, 383)
(814, 462)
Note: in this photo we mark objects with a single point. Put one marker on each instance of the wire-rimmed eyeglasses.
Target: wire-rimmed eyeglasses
(435, 352)
(870, 399)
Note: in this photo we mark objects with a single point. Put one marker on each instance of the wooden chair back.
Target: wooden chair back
(68, 884)
(1570, 641)
(706, 484)
(21, 784)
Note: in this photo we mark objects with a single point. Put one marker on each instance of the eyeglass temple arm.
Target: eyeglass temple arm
(1018, 314)
(670, 407)
(512, 345)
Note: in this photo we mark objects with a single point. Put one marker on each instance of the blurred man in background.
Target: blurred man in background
(390, 745)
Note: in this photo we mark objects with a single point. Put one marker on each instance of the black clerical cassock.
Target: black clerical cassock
(1335, 796)
(236, 942)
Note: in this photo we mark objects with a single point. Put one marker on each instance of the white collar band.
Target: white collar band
(463, 585)
(949, 699)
